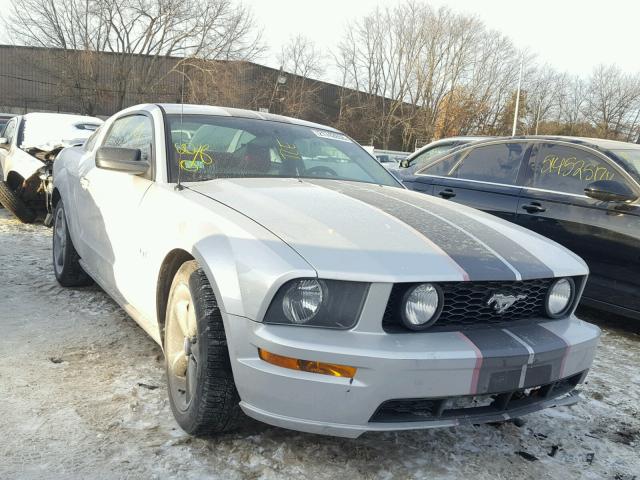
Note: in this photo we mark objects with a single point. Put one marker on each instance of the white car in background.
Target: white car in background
(29, 145)
(290, 277)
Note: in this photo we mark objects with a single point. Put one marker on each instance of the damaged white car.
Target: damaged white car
(29, 145)
(288, 276)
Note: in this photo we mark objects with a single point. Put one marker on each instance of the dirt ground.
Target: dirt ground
(82, 395)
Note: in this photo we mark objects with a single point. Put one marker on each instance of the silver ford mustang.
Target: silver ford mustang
(289, 277)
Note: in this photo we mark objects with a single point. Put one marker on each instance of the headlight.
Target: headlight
(422, 306)
(318, 303)
(560, 297)
(302, 300)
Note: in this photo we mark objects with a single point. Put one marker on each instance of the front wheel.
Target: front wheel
(15, 205)
(66, 261)
(202, 392)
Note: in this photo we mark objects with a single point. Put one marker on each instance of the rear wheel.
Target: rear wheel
(15, 205)
(66, 261)
(202, 392)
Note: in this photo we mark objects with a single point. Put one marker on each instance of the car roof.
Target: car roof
(189, 109)
(596, 143)
(55, 117)
(435, 143)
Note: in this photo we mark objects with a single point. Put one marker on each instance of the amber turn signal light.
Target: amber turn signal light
(308, 365)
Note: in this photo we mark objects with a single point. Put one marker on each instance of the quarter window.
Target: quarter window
(133, 131)
(497, 163)
(442, 167)
(428, 156)
(566, 169)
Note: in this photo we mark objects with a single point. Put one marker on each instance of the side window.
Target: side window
(425, 158)
(442, 167)
(492, 163)
(566, 169)
(10, 130)
(91, 141)
(133, 131)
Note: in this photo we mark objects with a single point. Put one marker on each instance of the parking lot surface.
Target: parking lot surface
(82, 393)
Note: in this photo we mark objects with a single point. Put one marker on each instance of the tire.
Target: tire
(202, 392)
(66, 261)
(15, 205)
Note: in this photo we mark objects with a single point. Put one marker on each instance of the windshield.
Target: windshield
(630, 161)
(204, 147)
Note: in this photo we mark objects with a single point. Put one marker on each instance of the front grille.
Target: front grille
(469, 407)
(465, 304)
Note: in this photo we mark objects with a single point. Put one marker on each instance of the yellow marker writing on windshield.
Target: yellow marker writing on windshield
(198, 157)
(288, 151)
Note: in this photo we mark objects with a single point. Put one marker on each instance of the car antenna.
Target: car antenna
(179, 184)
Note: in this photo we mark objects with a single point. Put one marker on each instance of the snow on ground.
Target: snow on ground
(82, 395)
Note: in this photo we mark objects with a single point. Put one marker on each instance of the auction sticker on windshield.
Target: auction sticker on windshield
(331, 135)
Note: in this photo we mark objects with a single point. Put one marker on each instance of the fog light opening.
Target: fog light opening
(308, 365)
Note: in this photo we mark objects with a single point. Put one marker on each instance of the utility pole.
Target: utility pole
(281, 80)
(515, 114)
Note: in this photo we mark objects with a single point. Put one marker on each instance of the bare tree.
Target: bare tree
(295, 88)
(612, 99)
(141, 32)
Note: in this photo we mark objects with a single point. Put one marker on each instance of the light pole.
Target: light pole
(515, 114)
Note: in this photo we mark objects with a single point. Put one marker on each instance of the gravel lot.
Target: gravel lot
(82, 395)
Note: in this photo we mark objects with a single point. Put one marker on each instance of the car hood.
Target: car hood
(361, 231)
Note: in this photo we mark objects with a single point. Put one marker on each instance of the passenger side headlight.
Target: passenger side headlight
(318, 303)
(560, 297)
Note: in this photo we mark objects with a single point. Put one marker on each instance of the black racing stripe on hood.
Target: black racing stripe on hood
(479, 262)
(528, 265)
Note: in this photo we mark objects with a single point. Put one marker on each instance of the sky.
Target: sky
(570, 35)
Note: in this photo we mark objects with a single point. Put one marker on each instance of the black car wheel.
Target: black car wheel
(15, 205)
(66, 261)
(202, 392)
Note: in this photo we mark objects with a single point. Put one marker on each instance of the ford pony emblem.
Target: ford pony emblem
(502, 302)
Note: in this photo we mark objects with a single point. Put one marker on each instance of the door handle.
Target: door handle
(534, 207)
(447, 193)
(84, 182)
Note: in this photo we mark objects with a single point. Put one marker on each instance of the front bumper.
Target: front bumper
(445, 366)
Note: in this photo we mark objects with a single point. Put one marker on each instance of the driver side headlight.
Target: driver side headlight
(314, 302)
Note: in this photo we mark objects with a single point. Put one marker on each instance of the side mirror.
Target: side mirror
(126, 160)
(4, 141)
(404, 163)
(610, 191)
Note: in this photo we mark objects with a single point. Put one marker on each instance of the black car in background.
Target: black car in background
(581, 192)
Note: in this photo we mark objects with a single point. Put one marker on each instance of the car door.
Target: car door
(483, 177)
(108, 208)
(605, 234)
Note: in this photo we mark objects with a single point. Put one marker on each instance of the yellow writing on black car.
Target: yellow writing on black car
(574, 167)
(196, 157)
(288, 151)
